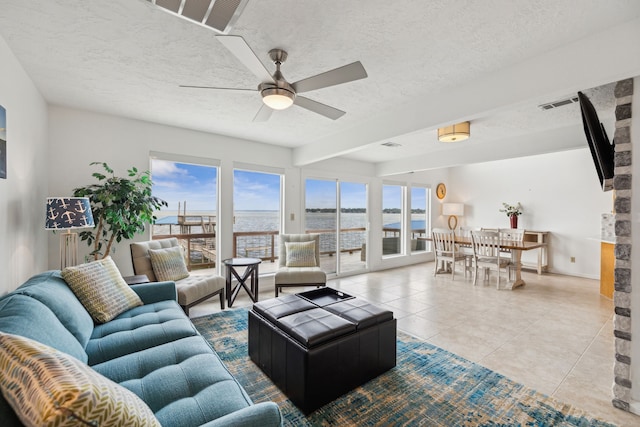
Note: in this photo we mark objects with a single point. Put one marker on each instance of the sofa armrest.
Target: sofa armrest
(156, 291)
(261, 414)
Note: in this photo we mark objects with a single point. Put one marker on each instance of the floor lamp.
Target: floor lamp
(67, 213)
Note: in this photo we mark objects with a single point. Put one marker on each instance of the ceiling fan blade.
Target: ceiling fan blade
(344, 74)
(264, 113)
(317, 107)
(241, 50)
(219, 88)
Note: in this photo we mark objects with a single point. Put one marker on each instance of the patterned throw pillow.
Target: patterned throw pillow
(168, 263)
(301, 254)
(47, 387)
(101, 289)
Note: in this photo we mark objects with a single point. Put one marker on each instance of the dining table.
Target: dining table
(514, 247)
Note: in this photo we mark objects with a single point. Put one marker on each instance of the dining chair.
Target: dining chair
(486, 255)
(446, 250)
(467, 250)
(510, 235)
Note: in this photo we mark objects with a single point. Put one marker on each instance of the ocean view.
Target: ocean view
(268, 221)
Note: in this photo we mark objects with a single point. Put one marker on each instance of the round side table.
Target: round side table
(250, 272)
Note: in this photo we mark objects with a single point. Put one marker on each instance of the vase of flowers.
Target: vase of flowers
(513, 212)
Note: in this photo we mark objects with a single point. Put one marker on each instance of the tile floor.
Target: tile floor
(554, 335)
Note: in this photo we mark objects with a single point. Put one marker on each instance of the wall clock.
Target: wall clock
(441, 191)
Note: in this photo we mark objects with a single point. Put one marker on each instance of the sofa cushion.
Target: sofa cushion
(138, 329)
(101, 289)
(301, 254)
(51, 289)
(47, 387)
(168, 263)
(26, 316)
(195, 395)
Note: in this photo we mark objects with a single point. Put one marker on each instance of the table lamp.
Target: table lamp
(66, 213)
(454, 210)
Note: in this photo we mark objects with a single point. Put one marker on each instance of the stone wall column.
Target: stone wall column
(622, 271)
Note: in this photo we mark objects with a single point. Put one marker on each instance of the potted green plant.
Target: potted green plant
(513, 212)
(122, 207)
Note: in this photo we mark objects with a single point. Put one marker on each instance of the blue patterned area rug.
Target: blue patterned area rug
(428, 387)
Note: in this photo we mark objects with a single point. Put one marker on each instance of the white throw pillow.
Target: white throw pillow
(168, 263)
(301, 254)
(101, 289)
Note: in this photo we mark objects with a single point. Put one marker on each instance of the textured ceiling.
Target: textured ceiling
(429, 63)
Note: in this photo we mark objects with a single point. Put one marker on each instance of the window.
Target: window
(419, 218)
(191, 193)
(342, 231)
(257, 216)
(392, 219)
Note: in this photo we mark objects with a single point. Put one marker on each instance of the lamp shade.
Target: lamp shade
(453, 133)
(456, 209)
(68, 212)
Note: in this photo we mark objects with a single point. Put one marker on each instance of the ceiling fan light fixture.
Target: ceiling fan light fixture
(454, 133)
(278, 98)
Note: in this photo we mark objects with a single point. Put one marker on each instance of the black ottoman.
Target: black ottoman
(317, 345)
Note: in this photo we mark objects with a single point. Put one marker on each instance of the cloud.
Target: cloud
(164, 168)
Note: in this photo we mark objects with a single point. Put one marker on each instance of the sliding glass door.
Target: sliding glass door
(419, 218)
(191, 191)
(393, 223)
(353, 226)
(257, 216)
(342, 230)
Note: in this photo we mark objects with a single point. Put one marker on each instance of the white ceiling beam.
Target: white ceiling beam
(589, 62)
(549, 141)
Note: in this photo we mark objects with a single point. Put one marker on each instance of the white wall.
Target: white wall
(89, 137)
(23, 250)
(559, 193)
(86, 137)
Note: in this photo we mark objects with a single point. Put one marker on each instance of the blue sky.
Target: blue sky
(322, 194)
(197, 185)
(418, 198)
(180, 182)
(256, 191)
(391, 196)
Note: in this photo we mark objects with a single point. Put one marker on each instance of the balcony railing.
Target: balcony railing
(259, 244)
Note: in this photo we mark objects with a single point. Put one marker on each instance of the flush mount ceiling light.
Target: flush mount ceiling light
(454, 133)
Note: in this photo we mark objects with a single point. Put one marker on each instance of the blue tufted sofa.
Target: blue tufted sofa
(153, 350)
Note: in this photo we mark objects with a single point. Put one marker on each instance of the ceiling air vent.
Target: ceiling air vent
(560, 103)
(218, 15)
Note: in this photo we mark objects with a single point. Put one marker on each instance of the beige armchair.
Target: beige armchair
(191, 290)
(289, 273)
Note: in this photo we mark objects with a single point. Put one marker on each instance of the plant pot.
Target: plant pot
(514, 221)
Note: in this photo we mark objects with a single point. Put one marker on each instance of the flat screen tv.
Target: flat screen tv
(602, 150)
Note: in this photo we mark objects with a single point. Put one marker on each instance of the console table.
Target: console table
(543, 251)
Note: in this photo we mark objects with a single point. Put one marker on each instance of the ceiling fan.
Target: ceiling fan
(277, 93)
